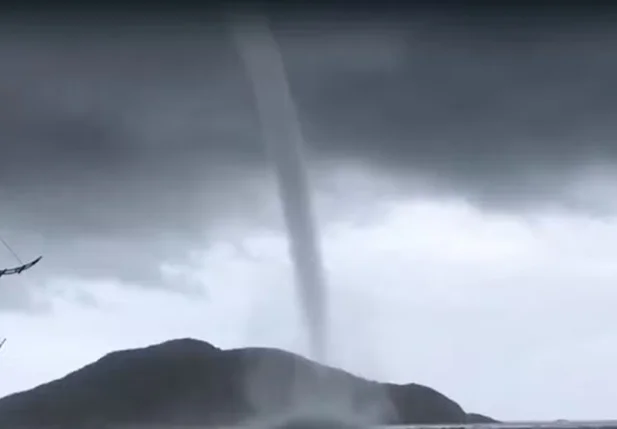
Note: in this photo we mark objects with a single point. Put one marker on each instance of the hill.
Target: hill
(192, 382)
(474, 418)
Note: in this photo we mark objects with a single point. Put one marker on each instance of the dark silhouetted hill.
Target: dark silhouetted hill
(192, 382)
(475, 418)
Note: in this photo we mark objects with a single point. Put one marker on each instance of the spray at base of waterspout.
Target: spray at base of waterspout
(317, 422)
(328, 410)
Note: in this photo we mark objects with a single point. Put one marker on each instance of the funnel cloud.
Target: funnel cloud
(283, 139)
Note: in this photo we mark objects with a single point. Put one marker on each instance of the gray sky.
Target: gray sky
(463, 179)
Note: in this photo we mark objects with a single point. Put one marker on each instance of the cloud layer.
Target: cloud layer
(466, 105)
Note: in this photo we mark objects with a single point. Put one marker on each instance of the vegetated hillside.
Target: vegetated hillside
(192, 382)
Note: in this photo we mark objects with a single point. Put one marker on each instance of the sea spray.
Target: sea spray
(283, 139)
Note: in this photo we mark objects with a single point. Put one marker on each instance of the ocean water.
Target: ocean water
(560, 424)
(590, 424)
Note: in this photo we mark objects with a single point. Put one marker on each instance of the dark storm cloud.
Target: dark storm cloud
(119, 149)
(120, 145)
(514, 111)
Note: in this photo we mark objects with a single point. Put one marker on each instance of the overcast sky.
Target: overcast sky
(464, 181)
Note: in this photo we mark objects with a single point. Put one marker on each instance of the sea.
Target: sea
(558, 424)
